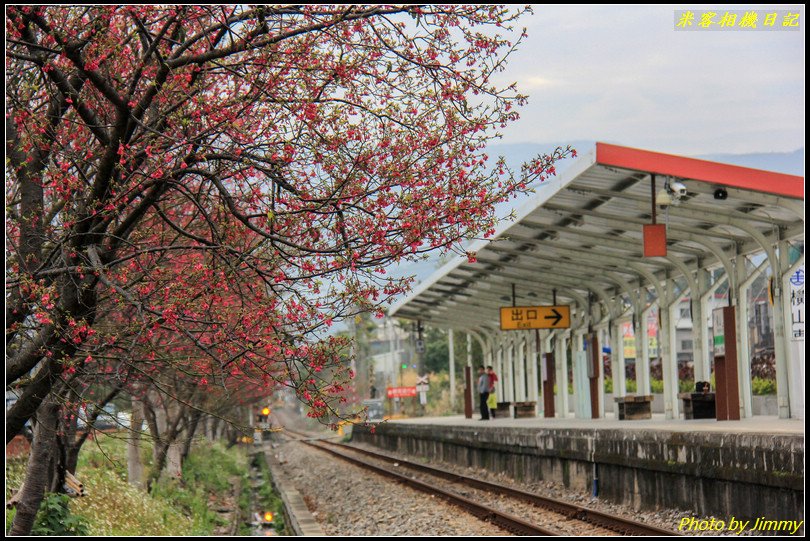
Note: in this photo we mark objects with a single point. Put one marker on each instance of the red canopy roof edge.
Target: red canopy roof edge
(722, 174)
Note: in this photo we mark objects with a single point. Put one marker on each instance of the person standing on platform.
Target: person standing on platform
(492, 401)
(483, 390)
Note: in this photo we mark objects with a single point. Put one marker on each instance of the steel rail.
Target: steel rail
(506, 521)
(570, 511)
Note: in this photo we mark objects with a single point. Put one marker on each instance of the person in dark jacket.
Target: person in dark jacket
(483, 390)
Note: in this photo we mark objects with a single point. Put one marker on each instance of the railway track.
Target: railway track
(568, 518)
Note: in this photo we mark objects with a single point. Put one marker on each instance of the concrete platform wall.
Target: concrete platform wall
(742, 475)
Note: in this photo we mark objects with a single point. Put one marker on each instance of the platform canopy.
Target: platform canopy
(580, 235)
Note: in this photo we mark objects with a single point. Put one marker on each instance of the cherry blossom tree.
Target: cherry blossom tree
(207, 189)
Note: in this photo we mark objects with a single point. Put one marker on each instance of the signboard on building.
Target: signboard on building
(796, 350)
(718, 332)
(401, 392)
(797, 305)
(518, 318)
(631, 349)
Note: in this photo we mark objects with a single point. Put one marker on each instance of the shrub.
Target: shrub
(763, 386)
(54, 518)
(630, 385)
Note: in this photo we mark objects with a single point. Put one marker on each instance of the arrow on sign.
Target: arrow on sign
(516, 318)
(556, 317)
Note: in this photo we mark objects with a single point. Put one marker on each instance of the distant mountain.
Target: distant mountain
(517, 153)
(790, 163)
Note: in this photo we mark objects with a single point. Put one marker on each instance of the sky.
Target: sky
(624, 74)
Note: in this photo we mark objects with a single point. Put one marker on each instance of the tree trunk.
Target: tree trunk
(190, 431)
(151, 423)
(168, 424)
(66, 454)
(37, 476)
(134, 464)
(176, 425)
(159, 450)
(174, 460)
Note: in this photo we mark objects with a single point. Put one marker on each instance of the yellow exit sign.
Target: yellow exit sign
(516, 318)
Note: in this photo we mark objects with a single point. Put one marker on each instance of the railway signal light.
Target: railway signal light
(265, 411)
(268, 516)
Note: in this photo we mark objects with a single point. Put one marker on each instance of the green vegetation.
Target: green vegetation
(15, 473)
(208, 474)
(54, 518)
(759, 386)
(570, 388)
(267, 498)
(438, 395)
(762, 386)
(113, 507)
(656, 386)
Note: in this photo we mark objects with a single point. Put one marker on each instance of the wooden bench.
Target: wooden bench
(503, 410)
(698, 405)
(634, 407)
(525, 409)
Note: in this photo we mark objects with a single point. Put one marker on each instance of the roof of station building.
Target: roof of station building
(581, 233)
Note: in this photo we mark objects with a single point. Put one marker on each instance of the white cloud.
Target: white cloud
(533, 82)
(623, 73)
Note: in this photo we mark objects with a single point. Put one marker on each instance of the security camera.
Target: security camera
(678, 189)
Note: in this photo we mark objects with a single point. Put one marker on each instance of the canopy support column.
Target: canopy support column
(641, 336)
(534, 361)
(561, 363)
(669, 360)
(617, 364)
(744, 281)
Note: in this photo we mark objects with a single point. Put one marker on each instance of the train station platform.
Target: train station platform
(764, 424)
(748, 469)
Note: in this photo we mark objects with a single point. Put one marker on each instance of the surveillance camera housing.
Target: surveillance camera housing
(720, 194)
(663, 198)
(678, 189)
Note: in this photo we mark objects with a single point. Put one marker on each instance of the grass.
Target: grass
(207, 476)
(15, 473)
(112, 507)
